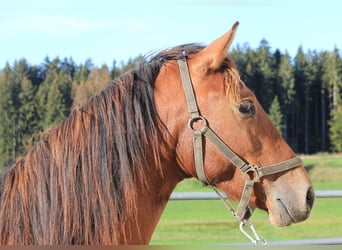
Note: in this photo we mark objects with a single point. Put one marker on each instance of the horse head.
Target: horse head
(232, 112)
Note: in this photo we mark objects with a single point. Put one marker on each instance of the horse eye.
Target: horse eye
(247, 108)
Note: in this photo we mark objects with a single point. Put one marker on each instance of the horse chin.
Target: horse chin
(281, 214)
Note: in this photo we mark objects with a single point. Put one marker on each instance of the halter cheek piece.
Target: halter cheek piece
(251, 172)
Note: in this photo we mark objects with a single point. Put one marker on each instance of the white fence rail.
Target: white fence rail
(213, 196)
(319, 194)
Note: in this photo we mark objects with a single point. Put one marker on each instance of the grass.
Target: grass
(208, 222)
(325, 171)
(205, 222)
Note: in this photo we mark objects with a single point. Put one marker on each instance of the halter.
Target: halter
(251, 173)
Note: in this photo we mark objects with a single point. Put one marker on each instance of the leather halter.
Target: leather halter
(251, 172)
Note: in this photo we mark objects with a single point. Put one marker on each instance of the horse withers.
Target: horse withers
(105, 174)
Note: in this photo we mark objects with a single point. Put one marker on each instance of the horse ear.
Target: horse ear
(212, 56)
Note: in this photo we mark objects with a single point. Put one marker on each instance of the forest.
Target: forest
(301, 94)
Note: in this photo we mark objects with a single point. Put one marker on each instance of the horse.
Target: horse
(105, 174)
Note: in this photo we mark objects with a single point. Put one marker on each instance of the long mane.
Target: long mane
(76, 185)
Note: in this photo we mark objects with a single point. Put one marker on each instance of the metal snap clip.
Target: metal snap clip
(255, 238)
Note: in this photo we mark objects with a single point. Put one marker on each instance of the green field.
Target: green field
(207, 222)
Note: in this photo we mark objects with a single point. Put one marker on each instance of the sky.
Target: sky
(108, 30)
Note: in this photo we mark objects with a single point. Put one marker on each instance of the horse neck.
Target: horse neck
(151, 200)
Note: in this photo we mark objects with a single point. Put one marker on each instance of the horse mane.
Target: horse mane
(76, 184)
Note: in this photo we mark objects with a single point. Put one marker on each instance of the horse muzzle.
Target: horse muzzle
(290, 206)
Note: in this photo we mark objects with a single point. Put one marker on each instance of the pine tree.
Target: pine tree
(96, 81)
(28, 112)
(287, 93)
(116, 71)
(276, 115)
(332, 80)
(332, 76)
(7, 117)
(335, 131)
(59, 99)
(331, 84)
(82, 72)
(302, 95)
(54, 94)
(312, 90)
(262, 73)
(132, 63)
(12, 123)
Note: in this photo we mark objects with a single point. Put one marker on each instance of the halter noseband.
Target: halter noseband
(243, 212)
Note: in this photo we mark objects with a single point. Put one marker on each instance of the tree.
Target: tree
(287, 93)
(27, 111)
(96, 81)
(276, 115)
(335, 131)
(7, 116)
(116, 71)
(239, 57)
(332, 76)
(330, 87)
(312, 99)
(59, 99)
(54, 94)
(132, 63)
(302, 90)
(260, 74)
(82, 72)
(17, 117)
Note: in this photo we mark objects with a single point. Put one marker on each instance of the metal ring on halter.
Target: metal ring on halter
(252, 169)
(193, 120)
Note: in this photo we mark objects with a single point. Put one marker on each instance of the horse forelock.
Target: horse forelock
(232, 80)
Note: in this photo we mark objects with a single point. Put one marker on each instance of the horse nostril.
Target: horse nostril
(310, 197)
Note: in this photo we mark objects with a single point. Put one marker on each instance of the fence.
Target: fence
(213, 196)
(318, 193)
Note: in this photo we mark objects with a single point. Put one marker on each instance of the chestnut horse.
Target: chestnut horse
(105, 174)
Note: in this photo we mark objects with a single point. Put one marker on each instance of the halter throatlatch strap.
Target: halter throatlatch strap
(252, 173)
